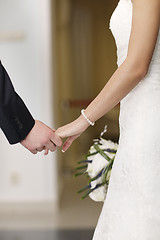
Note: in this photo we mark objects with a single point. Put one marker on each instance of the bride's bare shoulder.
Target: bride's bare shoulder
(144, 32)
(150, 1)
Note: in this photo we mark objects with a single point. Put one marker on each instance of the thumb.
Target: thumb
(61, 133)
(68, 142)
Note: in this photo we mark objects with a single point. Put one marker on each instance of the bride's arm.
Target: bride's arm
(143, 38)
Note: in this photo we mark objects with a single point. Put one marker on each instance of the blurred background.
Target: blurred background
(59, 55)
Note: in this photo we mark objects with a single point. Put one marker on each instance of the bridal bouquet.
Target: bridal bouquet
(97, 165)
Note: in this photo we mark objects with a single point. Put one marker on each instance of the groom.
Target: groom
(18, 124)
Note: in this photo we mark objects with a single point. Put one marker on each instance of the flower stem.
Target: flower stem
(91, 154)
(110, 150)
(82, 167)
(101, 152)
(85, 161)
(79, 174)
(91, 190)
(107, 169)
(96, 177)
(83, 189)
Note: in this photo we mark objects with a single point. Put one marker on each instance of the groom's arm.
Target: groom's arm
(17, 122)
(15, 119)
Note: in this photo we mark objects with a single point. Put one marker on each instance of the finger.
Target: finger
(68, 142)
(56, 139)
(40, 149)
(63, 133)
(50, 146)
(34, 151)
(46, 151)
(53, 143)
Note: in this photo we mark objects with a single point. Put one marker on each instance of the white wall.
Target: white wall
(25, 52)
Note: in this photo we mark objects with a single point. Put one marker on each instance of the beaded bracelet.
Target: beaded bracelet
(89, 121)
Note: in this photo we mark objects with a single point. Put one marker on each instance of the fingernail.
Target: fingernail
(63, 151)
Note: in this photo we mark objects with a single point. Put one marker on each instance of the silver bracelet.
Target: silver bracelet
(89, 121)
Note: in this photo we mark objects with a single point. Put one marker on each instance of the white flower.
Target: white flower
(108, 144)
(92, 149)
(95, 182)
(98, 194)
(98, 163)
(108, 175)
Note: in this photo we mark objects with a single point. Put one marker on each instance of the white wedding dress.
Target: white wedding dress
(132, 207)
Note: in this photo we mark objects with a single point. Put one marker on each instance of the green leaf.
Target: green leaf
(91, 190)
(90, 154)
(79, 174)
(97, 176)
(83, 189)
(87, 194)
(108, 168)
(102, 152)
(82, 167)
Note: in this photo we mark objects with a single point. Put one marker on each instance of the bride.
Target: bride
(132, 207)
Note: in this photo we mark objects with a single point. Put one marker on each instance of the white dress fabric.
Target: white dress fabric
(131, 210)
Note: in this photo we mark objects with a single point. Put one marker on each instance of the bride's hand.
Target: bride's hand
(72, 131)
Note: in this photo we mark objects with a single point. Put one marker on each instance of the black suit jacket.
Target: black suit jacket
(15, 119)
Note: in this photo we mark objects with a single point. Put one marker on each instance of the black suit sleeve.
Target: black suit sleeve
(15, 119)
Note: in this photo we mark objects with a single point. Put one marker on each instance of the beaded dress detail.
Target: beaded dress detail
(131, 210)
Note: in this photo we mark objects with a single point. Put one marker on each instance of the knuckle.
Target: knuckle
(40, 147)
(68, 144)
(50, 133)
(53, 149)
(59, 143)
(45, 141)
(31, 149)
(34, 152)
(57, 140)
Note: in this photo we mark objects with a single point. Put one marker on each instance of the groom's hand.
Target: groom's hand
(40, 138)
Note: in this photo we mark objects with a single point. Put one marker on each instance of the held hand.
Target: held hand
(72, 131)
(40, 138)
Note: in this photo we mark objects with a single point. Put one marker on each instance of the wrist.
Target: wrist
(87, 119)
(83, 122)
